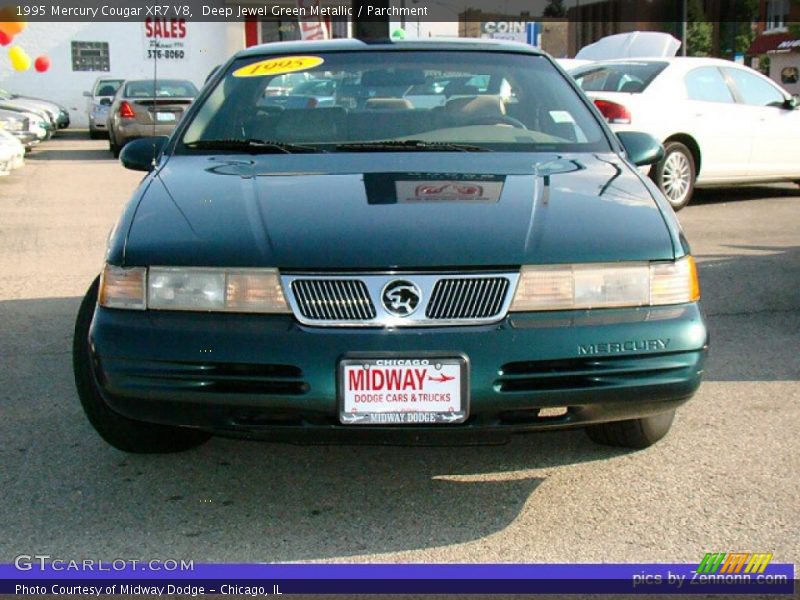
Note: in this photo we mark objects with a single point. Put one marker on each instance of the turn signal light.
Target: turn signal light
(123, 288)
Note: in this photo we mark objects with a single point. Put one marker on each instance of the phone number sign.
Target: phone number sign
(165, 39)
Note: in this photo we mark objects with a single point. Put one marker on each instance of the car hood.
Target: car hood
(343, 211)
(638, 44)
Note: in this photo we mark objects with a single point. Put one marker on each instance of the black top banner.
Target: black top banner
(462, 11)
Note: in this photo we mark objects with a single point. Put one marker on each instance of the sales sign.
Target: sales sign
(165, 39)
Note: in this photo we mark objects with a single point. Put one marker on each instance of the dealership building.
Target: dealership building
(80, 52)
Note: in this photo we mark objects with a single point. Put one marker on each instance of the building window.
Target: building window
(90, 56)
(790, 75)
(777, 14)
(280, 31)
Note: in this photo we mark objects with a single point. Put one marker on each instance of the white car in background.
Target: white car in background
(720, 122)
(12, 153)
(99, 100)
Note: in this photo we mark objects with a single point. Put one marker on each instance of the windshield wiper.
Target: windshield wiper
(252, 146)
(410, 146)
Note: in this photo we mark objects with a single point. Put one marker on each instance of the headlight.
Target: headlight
(570, 287)
(195, 289)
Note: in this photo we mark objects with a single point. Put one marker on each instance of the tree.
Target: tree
(555, 9)
(746, 15)
(698, 30)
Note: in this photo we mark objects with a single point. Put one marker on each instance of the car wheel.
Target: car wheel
(675, 174)
(122, 433)
(635, 433)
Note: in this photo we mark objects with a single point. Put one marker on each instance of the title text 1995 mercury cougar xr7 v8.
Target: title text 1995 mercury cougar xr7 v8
(447, 244)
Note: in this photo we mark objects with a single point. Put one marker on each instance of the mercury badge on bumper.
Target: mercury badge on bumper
(455, 247)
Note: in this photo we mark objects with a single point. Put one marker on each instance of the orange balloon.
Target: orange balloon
(9, 23)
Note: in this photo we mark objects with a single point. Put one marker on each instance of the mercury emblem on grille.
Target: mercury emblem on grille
(401, 298)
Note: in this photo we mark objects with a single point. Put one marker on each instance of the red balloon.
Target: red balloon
(5, 39)
(42, 63)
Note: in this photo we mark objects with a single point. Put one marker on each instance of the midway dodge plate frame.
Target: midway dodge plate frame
(437, 365)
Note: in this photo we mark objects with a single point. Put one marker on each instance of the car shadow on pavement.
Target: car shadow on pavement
(235, 499)
(75, 153)
(742, 193)
(752, 304)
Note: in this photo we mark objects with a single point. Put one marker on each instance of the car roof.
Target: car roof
(688, 61)
(349, 44)
(127, 81)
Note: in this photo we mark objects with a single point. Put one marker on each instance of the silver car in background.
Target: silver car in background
(100, 98)
(146, 107)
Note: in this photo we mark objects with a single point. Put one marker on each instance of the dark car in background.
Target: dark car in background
(486, 264)
(147, 107)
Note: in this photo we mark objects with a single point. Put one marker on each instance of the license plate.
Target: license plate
(404, 390)
(165, 117)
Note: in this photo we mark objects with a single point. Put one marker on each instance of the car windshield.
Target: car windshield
(394, 101)
(164, 88)
(108, 87)
(630, 77)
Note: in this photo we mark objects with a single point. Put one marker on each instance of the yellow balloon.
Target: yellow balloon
(19, 59)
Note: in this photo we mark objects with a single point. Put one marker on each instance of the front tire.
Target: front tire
(675, 174)
(635, 433)
(124, 434)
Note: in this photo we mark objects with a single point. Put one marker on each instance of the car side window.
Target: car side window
(754, 90)
(707, 84)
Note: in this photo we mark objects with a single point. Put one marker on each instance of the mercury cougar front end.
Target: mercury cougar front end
(457, 249)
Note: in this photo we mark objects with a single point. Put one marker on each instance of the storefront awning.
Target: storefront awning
(773, 42)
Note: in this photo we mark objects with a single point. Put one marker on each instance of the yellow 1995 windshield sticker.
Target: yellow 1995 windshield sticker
(279, 66)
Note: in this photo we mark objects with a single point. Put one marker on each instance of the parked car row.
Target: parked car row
(127, 109)
(24, 123)
(721, 122)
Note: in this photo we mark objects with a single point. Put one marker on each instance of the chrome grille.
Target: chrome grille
(467, 298)
(342, 300)
(470, 298)
(333, 299)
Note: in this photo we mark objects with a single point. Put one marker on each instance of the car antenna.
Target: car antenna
(154, 114)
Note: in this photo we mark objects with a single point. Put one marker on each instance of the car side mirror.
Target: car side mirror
(87, 94)
(791, 103)
(642, 148)
(142, 154)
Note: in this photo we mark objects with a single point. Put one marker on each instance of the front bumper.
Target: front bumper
(26, 138)
(264, 376)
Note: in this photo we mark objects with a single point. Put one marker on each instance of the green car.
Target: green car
(393, 266)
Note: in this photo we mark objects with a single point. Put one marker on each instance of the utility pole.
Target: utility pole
(684, 18)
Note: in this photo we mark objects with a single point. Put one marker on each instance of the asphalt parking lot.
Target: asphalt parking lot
(725, 479)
